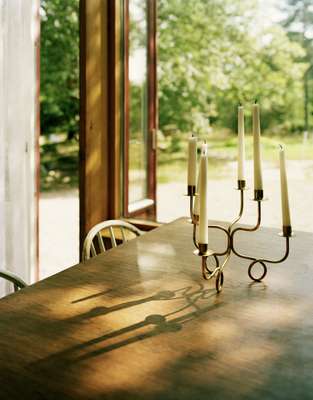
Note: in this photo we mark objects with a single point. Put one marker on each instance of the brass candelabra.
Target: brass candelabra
(204, 252)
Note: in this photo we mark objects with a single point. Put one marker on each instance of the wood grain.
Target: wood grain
(115, 112)
(94, 142)
(19, 39)
(139, 322)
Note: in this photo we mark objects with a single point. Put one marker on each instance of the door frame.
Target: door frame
(145, 208)
(103, 161)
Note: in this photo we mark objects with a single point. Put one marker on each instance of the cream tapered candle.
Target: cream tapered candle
(203, 196)
(241, 144)
(196, 208)
(284, 189)
(258, 183)
(192, 161)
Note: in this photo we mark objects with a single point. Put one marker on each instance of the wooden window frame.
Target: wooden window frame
(103, 175)
(145, 208)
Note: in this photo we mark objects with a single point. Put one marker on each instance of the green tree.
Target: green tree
(59, 66)
(214, 54)
(299, 24)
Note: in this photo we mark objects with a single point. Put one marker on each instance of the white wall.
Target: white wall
(18, 37)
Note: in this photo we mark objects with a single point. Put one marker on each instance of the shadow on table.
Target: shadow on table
(158, 324)
(187, 293)
(261, 362)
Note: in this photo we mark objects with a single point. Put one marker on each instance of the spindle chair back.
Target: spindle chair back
(113, 232)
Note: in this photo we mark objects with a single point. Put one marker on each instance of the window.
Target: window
(140, 108)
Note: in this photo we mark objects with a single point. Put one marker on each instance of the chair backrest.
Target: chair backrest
(95, 243)
(16, 280)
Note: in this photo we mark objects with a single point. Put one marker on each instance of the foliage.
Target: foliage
(212, 55)
(58, 164)
(299, 24)
(59, 66)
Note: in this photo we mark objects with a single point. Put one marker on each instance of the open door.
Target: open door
(19, 130)
(140, 108)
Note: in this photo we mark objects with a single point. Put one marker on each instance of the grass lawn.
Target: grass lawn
(172, 167)
(59, 161)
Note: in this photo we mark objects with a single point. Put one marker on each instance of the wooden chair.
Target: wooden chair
(96, 241)
(16, 280)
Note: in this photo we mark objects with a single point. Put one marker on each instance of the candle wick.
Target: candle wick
(281, 147)
(256, 101)
(240, 104)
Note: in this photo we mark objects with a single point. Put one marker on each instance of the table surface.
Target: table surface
(139, 322)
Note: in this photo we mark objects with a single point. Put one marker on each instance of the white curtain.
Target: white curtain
(18, 35)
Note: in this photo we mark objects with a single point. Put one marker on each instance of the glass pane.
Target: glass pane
(138, 109)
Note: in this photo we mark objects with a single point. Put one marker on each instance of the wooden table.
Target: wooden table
(139, 322)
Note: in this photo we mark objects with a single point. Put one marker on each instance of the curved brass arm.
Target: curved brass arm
(281, 259)
(240, 211)
(226, 231)
(194, 237)
(230, 229)
(262, 262)
(254, 228)
(206, 273)
(218, 270)
(228, 238)
(191, 208)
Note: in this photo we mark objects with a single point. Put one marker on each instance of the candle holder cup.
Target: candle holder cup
(191, 190)
(203, 251)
